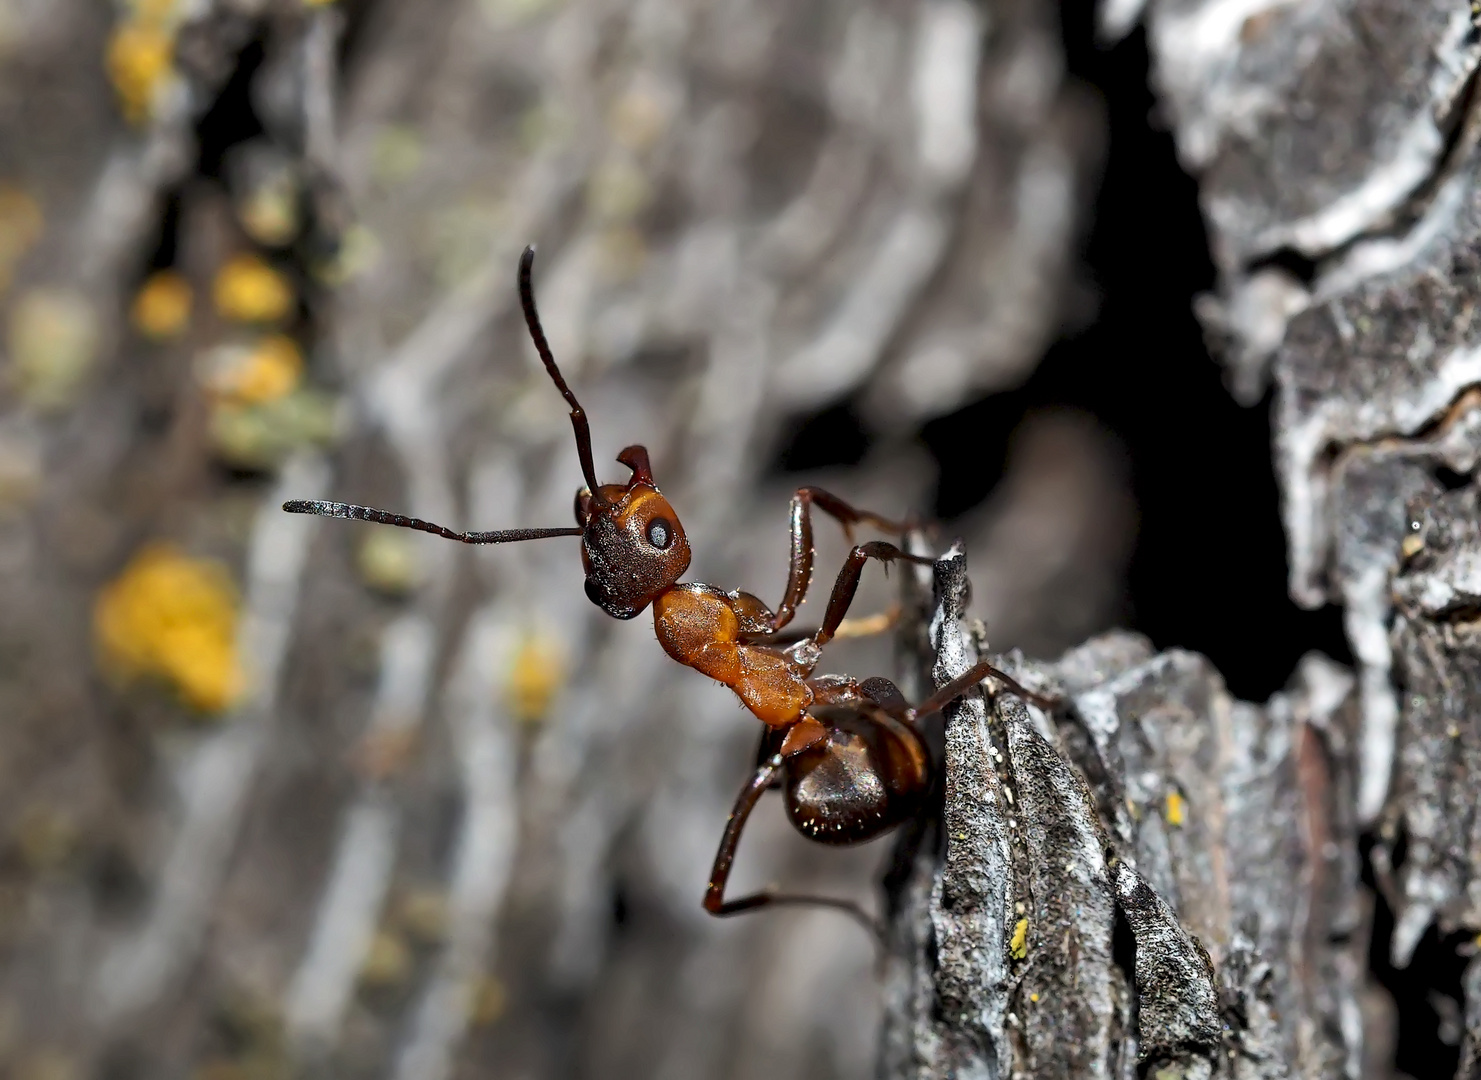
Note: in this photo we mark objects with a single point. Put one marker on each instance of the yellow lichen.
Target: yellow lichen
(260, 436)
(161, 309)
(1412, 545)
(358, 253)
(1177, 809)
(256, 374)
(141, 58)
(247, 289)
(269, 211)
(536, 677)
(387, 961)
(174, 618)
(53, 341)
(490, 999)
(1018, 947)
(389, 561)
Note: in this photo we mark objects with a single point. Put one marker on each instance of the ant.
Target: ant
(850, 754)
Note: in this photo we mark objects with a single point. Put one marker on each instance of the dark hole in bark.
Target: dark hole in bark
(357, 19)
(621, 910)
(1209, 571)
(1425, 991)
(117, 886)
(1398, 852)
(231, 118)
(1123, 954)
(1123, 946)
(1301, 267)
(167, 241)
(832, 436)
(1449, 479)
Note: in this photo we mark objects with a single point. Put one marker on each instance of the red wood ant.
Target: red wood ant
(850, 754)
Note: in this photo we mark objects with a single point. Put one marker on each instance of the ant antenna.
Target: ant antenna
(537, 334)
(505, 536)
(385, 517)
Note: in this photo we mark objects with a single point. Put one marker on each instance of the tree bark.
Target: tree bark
(1156, 880)
(1337, 151)
(460, 822)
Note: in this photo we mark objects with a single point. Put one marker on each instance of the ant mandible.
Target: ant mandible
(850, 754)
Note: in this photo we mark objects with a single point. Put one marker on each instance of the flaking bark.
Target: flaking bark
(1155, 878)
(1347, 134)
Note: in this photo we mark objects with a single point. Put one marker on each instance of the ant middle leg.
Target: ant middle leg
(800, 563)
(860, 627)
(769, 772)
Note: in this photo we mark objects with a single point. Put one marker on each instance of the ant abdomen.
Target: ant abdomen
(863, 779)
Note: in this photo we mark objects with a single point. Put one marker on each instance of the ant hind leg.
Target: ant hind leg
(715, 903)
(969, 679)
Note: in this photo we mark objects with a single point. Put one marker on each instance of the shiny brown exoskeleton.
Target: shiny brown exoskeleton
(850, 755)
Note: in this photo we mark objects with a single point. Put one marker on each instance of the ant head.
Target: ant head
(631, 542)
(633, 547)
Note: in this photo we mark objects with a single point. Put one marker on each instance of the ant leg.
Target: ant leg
(865, 626)
(846, 514)
(768, 746)
(799, 571)
(715, 902)
(968, 679)
(848, 583)
(868, 625)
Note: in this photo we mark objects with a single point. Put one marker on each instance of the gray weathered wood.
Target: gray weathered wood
(1183, 867)
(1346, 133)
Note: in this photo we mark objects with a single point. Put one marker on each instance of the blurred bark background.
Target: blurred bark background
(284, 797)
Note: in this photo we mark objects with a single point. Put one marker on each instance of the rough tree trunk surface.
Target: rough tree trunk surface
(456, 822)
(1341, 140)
(424, 813)
(1158, 880)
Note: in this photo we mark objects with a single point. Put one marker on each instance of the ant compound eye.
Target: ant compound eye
(660, 533)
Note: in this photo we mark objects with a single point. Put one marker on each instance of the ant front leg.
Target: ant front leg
(769, 772)
(799, 571)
